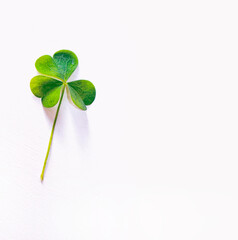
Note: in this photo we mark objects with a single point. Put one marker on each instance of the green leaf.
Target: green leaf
(85, 89)
(61, 66)
(67, 62)
(40, 85)
(50, 86)
(51, 98)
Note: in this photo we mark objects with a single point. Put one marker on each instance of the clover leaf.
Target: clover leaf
(50, 86)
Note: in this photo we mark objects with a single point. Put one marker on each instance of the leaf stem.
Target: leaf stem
(51, 135)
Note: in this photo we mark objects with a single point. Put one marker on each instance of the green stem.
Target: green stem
(51, 135)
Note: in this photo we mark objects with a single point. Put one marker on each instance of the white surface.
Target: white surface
(155, 156)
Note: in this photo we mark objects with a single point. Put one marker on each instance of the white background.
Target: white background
(156, 155)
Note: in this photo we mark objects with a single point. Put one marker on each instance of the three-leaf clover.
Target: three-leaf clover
(50, 85)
